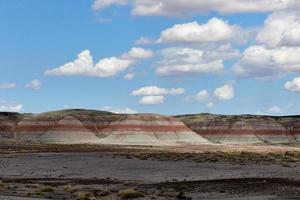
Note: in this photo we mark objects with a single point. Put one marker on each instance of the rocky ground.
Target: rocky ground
(243, 188)
(110, 172)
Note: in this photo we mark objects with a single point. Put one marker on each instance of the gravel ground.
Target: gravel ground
(91, 165)
(158, 176)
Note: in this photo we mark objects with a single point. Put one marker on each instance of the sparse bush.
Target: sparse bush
(69, 188)
(84, 196)
(182, 187)
(79, 195)
(2, 184)
(46, 189)
(130, 194)
(39, 193)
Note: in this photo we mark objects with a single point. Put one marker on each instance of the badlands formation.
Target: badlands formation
(99, 127)
(244, 129)
(96, 127)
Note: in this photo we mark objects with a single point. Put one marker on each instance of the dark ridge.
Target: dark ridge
(9, 116)
(9, 113)
(236, 116)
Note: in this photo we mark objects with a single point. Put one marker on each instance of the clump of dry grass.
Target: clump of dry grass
(79, 195)
(2, 184)
(46, 189)
(39, 193)
(130, 194)
(69, 188)
(84, 196)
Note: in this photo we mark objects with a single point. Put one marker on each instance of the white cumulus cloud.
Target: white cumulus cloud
(157, 91)
(188, 7)
(106, 67)
(215, 30)
(150, 90)
(187, 61)
(137, 53)
(225, 92)
(202, 96)
(280, 29)
(277, 48)
(259, 61)
(10, 107)
(155, 95)
(293, 85)
(151, 100)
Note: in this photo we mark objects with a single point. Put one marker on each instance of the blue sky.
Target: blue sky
(179, 69)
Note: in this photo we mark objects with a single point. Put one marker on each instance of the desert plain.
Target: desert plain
(147, 157)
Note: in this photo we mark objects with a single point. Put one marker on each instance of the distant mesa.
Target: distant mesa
(99, 127)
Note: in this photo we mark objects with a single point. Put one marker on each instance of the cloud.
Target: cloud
(202, 96)
(277, 48)
(275, 110)
(155, 95)
(225, 92)
(190, 7)
(82, 65)
(280, 29)
(152, 100)
(102, 4)
(7, 85)
(34, 84)
(10, 107)
(261, 62)
(106, 67)
(138, 54)
(186, 61)
(150, 90)
(209, 45)
(214, 31)
(293, 85)
(129, 76)
(119, 110)
(224, 52)
(157, 91)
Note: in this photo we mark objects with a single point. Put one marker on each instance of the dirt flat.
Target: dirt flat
(182, 172)
(102, 173)
(90, 165)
